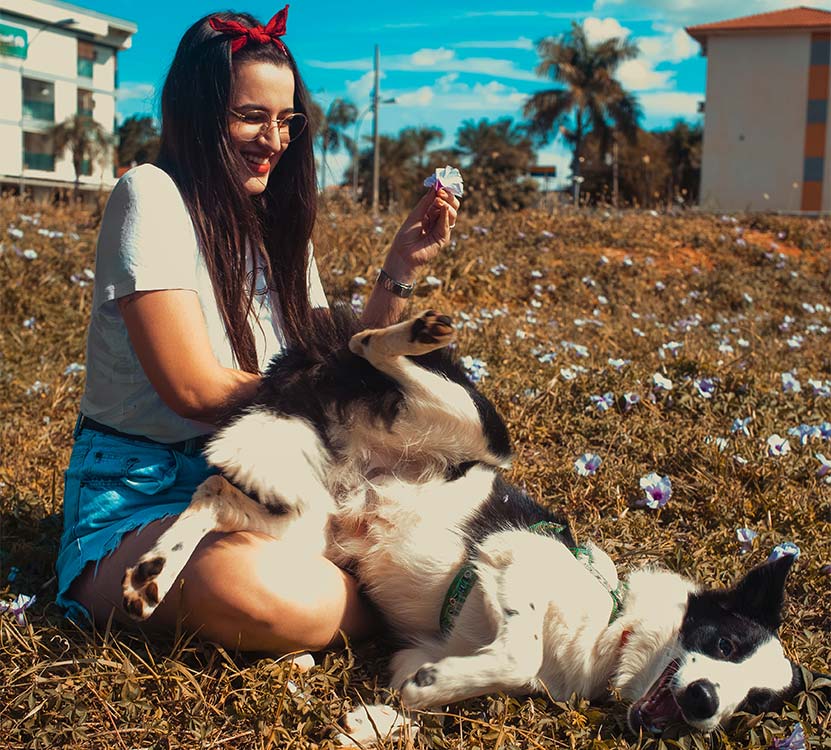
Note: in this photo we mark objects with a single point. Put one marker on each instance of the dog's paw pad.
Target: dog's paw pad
(425, 677)
(432, 328)
(140, 590)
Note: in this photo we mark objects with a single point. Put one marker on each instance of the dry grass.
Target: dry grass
(62, 687)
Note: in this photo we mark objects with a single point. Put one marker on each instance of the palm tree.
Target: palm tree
(330, 131)
(421, 138)
(497, 155)
(87, 141)
(591, 99)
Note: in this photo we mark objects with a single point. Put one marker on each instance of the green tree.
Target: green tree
(87, 141)
(590, 99)
(496, 157)
(330, 131)
(420, 139)
(138, 141)
(683, 153)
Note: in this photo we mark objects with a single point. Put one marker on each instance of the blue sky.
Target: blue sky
(448, 62)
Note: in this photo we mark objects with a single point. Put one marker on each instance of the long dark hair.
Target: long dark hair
(196, 151)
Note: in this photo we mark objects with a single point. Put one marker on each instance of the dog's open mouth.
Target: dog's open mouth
(658, 708)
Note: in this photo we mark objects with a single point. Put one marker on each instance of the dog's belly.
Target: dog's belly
(406, 543)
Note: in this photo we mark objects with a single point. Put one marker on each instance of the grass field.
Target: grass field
(556, 312)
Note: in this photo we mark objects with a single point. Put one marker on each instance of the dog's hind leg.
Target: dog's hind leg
(216, 506)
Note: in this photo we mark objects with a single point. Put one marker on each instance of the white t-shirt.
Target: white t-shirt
(146, 242)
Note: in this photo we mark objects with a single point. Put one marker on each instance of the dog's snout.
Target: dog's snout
(699, 700)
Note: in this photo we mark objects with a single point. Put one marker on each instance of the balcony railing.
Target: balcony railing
(35, 110)
(45, 162)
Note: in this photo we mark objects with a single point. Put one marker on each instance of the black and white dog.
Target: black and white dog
(384, 456)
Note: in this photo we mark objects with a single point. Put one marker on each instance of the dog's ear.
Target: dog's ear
(761, 593)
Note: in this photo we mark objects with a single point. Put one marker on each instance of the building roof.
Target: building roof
(790, 19)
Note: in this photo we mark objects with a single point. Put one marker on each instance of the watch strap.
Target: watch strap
(393, 286)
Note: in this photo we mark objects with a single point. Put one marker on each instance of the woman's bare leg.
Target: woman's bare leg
(243, 590)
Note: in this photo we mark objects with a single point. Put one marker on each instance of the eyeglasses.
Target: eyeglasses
(251, 125)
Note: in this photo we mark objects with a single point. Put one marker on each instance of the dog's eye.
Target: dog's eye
(725, 647)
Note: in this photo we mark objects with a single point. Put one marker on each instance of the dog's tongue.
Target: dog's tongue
(657, 708)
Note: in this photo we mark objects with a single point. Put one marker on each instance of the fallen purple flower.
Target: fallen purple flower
(740, 425)
(658, 490)
(824, 470)
(783, 549)
(745, 537)
(587, 464)
(18, 607)
(778, 446)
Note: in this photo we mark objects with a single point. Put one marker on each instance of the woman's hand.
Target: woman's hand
(424, 232)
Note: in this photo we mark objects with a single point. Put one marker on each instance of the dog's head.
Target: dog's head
(728, 657)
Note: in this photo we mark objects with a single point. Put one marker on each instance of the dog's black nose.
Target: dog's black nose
(699, 700)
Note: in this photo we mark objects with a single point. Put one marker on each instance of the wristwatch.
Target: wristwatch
(393, 286)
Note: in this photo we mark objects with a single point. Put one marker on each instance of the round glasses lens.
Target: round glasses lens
(296, 125)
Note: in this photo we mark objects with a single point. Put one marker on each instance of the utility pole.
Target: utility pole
(376, 136)
(615, 175)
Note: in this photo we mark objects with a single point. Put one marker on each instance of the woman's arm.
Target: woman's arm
(170, 338)
(425, 231)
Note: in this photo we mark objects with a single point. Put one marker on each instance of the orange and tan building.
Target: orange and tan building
(767, 143)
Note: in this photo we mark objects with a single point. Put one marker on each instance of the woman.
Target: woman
(203, 273)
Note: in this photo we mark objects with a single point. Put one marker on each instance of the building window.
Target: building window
(38, 100)
(86, 104)
(86, 59)
(38, 152)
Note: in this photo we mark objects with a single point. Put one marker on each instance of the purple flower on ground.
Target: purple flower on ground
(785, 548)
(778, 446)
(745, 537)
(805, 432)
(740, 425)
(587, 464)
(18, 607)
(660, 383)
(604, 402)
(825, 430)
(630, 400)
(476, 368)
(824, 470)
(357, 303)
(796, 740)
(658, 490)
(619, 364)
(790, 384)
(706, 387)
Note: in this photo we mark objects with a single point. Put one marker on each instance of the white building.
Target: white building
(56, 60)
(767, 145)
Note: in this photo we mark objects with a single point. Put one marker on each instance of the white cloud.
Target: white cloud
(692, 12)
(136, 90)
(360, 90)
(600, 29)
(421, 97)
(670, 104)
(639, 75)
(672, 46)
(430, 58)
(437, 60)
(522, 42)
(448, 93)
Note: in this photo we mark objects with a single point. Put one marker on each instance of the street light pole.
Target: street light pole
(62, 24)
(355, 147)
(376, 136)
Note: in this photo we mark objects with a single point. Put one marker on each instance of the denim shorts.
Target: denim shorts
(115, 485)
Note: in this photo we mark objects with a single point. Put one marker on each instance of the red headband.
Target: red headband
(242, 35)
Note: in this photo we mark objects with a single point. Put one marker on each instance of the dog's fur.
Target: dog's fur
(384, 457)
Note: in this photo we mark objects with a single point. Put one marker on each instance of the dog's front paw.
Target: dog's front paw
(422, 690)
(140, 588)
(431, 328)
